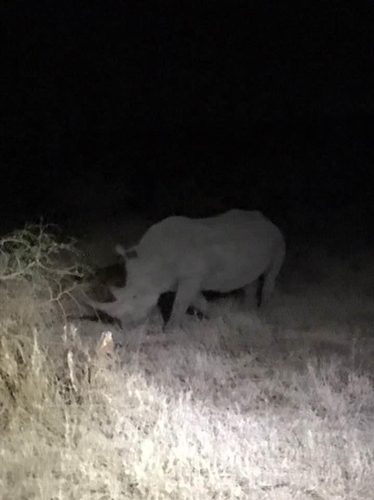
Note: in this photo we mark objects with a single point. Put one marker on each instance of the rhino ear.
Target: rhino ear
(126, 254)
(119, 249)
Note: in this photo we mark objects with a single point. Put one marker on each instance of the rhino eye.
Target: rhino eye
(131, 254)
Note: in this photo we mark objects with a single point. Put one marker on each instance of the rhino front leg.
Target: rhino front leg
(250, 295)
(187, 294)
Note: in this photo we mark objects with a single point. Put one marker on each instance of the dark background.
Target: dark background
(114, 108)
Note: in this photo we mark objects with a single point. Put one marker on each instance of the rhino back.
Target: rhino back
(179, 232)
(227, 251)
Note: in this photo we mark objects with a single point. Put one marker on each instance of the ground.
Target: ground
(276, 403)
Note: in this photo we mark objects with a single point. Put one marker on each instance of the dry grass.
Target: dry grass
(271, 405)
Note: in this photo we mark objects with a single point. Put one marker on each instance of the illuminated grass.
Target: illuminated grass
(276, 404)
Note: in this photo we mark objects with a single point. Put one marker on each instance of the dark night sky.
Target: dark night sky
(244, 103)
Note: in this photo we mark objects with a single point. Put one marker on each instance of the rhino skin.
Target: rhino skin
(102, 280)
(227, 252)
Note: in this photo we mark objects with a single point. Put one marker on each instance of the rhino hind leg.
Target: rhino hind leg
(271, 275)
(253, 293)
(260, 290)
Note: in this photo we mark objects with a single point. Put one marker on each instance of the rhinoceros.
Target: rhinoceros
(188, 256)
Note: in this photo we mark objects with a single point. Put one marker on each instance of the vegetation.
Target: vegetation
(272, 404)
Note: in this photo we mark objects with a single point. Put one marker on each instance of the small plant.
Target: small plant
(32, 253)
(36, 272)
(35, 263)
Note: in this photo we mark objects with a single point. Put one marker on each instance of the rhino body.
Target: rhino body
(188, 256)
